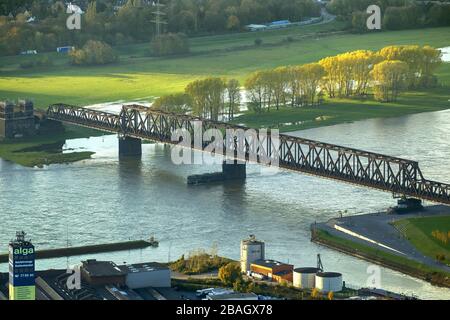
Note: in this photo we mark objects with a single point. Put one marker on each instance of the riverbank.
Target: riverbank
(374, 238)
(46, 149)
(337, 111)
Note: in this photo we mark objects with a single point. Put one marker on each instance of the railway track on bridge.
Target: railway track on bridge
(359, 167)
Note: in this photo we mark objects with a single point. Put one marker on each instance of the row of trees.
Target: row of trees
(353, 74)
(123, 22)
(194, 16)
(387, 71)
(396, 14)
(210, 98)
(297, 85)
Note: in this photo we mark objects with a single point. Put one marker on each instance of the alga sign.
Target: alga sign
(22, 271)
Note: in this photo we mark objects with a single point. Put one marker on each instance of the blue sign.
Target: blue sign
(21, 265)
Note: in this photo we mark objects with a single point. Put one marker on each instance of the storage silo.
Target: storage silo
(251, 251)
(305, 278)
(329, 281)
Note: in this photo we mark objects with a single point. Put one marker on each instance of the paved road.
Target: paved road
(378, 227)
(327, 17)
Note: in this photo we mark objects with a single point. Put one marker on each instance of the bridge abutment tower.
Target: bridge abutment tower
(130, 147)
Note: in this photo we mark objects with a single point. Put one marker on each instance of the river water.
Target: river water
(105, 200)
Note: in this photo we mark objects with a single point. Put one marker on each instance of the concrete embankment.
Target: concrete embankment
(76, 251)
(374, 238)
(434, 278)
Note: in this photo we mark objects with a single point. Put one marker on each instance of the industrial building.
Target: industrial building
(251, 250)
(17, 120)
(147, 275)
(274, 270)
(100, 273)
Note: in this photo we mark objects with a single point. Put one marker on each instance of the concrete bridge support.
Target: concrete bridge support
(130, 147)
(235, 171)
(232, 171)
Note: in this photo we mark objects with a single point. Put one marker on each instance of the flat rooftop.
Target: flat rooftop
(270, 263)
(101, 268)
(143, 267)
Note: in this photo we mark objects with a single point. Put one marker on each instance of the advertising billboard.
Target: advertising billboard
(22, 271)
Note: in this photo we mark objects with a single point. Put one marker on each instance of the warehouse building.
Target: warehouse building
(146, 275)
(275, 270)
(100, 273)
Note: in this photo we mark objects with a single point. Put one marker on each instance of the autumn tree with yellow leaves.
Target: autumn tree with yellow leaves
(422, 62)
(390, 78)
(385, 73)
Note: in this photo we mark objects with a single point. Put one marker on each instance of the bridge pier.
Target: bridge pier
(130, 147)
(235, 171)
(232, 171)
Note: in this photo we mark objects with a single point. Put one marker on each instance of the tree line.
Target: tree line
(385, 73)
(129, 21)
(211, 98)
(396, 14)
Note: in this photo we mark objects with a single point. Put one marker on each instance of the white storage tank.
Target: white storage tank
(329, 281)
(305, 278)
(251, 251)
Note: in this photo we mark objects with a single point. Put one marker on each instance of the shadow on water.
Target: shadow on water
(130, 169)
(234, 196)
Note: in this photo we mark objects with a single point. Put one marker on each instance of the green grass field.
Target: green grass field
(397, 262)
(138, 76)
(418, 232)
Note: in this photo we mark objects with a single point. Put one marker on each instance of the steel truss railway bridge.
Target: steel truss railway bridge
(136, 123)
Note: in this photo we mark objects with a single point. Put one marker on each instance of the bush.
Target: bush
(170, 44)
(289, 39)
(230, 274)
(43, 61)
(258, 42)
(94, 53)
(176, 103)
(199, 262)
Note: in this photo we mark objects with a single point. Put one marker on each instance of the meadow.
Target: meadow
(138, 76)
(418, 231)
